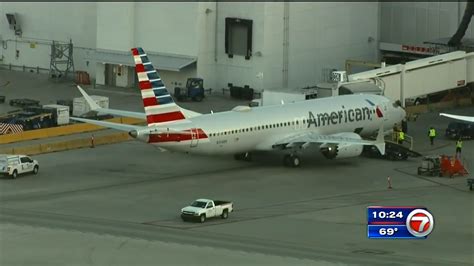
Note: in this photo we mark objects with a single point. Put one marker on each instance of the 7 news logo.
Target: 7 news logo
(420, 223)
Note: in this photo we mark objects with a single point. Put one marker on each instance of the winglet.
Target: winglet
(459, 117)
(380, 141)
(93, 105)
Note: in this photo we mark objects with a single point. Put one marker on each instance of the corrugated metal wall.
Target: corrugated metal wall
(416, 22)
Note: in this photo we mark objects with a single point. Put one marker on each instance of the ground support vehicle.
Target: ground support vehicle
(203, 209)
(13, 165)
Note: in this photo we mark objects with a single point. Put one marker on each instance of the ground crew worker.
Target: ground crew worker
(458, 146)
(432, 135)
(401, 137)
(92, 141)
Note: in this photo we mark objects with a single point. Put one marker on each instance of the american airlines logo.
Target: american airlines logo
(341, 116)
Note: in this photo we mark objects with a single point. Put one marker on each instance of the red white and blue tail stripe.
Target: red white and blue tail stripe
(159, 105)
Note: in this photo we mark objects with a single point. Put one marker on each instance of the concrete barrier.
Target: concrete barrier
(67, 145)
(63, 130)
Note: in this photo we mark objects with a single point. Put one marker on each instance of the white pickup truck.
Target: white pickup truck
(202, 209)
(13, 165)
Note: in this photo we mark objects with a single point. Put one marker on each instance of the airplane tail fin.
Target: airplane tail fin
(159, 105)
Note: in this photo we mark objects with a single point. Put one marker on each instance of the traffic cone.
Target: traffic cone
(389, 180)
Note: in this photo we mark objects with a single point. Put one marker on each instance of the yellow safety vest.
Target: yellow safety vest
(401, 135)
(459, 144)
(432, 133)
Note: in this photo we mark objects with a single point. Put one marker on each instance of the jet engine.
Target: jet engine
(342, 150)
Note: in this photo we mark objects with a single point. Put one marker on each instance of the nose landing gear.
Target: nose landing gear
(247, 156)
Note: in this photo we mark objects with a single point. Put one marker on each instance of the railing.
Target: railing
(408, 139)
(25, 68)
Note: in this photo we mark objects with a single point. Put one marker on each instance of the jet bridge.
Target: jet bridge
(423, 76)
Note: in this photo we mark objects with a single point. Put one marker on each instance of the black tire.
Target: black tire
(35, 170)
(238, 156)
(419, 171)
(202, 218)
(470, 187)
(184, 219)
(295, 161)
(14, 174)
(225, 214)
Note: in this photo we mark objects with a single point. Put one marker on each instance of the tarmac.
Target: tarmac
(119, 204)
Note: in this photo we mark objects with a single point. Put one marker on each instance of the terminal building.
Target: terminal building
(262, 45)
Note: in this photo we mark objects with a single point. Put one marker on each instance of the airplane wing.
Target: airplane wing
(118, 126)
(305, 139)
(95, 107)
(132, 129)
(459, 117)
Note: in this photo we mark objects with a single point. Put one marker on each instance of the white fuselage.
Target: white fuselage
(252, 129)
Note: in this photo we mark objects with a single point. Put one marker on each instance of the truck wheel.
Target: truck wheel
(225, 214)
(419, 171)
(14, 174)
(202, 218)
(35, 170)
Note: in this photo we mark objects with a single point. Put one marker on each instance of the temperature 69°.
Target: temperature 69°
(387, 231)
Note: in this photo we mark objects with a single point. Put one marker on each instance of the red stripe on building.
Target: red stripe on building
(144, 85)
(149, 101)
(176, 137)
(139, 68)
(135, 51)
(160, 118)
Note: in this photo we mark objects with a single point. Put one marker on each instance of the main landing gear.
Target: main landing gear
(291, 160)
(247, 156)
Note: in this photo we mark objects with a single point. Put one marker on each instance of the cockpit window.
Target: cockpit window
(397, 104)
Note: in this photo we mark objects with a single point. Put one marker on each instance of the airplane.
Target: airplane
(459, 117)
(336, 124)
